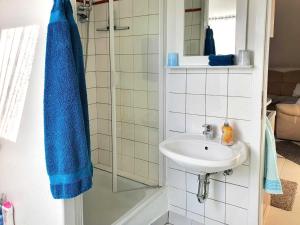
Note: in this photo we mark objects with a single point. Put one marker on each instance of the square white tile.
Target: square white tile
(126, 45)
(140, 63)
(192, 183)
(140, 25)
(240, 108)
(176, 83)
(102, 46)
(153, 44)
(195, 104)
(101, 12)
(154, 172)
(177, 197)
(141, 168)
(103, 79)
(240, 176)
(127, 147)
(141, 99)
(196, 83)
(125, 7)
(140, 7)
(176, 102)
(216, 106)
(153, 154)
(92, 111)
(153, 100)
(216, 84)
(153, 136)
(141, 133)
(176, 122)
(141, 151)
(140, 44)
(237, 195)
(126, 63)
(153, 24)
(153, 63)
(240, 85)
(153, 6)
(176, 178)
(236, 215)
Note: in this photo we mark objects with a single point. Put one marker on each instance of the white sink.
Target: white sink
(194, 152)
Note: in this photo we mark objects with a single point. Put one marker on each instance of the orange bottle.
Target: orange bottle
(227, 134)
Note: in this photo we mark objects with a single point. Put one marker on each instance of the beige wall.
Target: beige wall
(285, 46)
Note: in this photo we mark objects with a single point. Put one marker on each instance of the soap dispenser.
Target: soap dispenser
(227, 134)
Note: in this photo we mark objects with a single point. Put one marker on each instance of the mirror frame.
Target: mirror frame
(240, 35)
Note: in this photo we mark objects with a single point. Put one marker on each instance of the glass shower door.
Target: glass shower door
(136, 41)
(127, 54)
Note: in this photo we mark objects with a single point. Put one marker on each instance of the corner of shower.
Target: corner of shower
(121, 52)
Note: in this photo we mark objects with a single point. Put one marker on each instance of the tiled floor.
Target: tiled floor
(290, 171)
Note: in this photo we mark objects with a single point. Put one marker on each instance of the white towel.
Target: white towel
(17, 48)
(298, 102)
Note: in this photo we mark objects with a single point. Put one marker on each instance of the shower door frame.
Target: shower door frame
(113, 83)
(161, 95)
(73, 208)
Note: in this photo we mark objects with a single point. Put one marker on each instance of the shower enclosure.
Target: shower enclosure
(121, 42)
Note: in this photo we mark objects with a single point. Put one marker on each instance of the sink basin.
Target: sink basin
(194, 152)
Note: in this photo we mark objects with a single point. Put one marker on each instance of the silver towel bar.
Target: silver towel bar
(115, 28)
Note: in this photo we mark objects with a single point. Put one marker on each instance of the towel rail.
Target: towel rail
(115, 28)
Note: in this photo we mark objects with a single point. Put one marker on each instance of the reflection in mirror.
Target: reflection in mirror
(209, 27)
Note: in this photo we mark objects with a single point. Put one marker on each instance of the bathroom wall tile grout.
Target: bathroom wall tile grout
(178, 84)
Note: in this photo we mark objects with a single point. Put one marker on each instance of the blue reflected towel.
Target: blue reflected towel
(66, 129)
(272, 183)
(221, 60)
(209, 48)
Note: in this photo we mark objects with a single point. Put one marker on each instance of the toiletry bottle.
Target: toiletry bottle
(227, 134)
(8, 213)
(1, 216)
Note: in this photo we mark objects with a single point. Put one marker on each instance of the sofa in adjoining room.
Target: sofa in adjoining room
(283, 89)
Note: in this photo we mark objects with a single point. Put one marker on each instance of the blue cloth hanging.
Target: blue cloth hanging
(66, 127)
(272, 183)
(209, 48)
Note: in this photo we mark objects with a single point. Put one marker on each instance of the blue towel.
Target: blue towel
(209, 48)
(66, 130)
(272, 183)
(221, 60)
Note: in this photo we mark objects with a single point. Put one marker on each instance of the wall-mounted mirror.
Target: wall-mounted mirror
(209, 27)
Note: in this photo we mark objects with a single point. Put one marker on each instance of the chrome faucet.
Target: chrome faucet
(208, 131)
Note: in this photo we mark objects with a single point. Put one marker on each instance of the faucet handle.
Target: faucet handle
(207, 127)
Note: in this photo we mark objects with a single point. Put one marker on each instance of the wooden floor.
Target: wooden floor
(290, 171)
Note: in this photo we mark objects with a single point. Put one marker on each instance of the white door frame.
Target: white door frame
(264, 102)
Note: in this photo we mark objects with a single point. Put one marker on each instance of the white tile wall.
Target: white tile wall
(199, 96)
(136, 55)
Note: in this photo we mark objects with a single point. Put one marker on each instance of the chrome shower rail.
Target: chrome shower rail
(115, 28)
